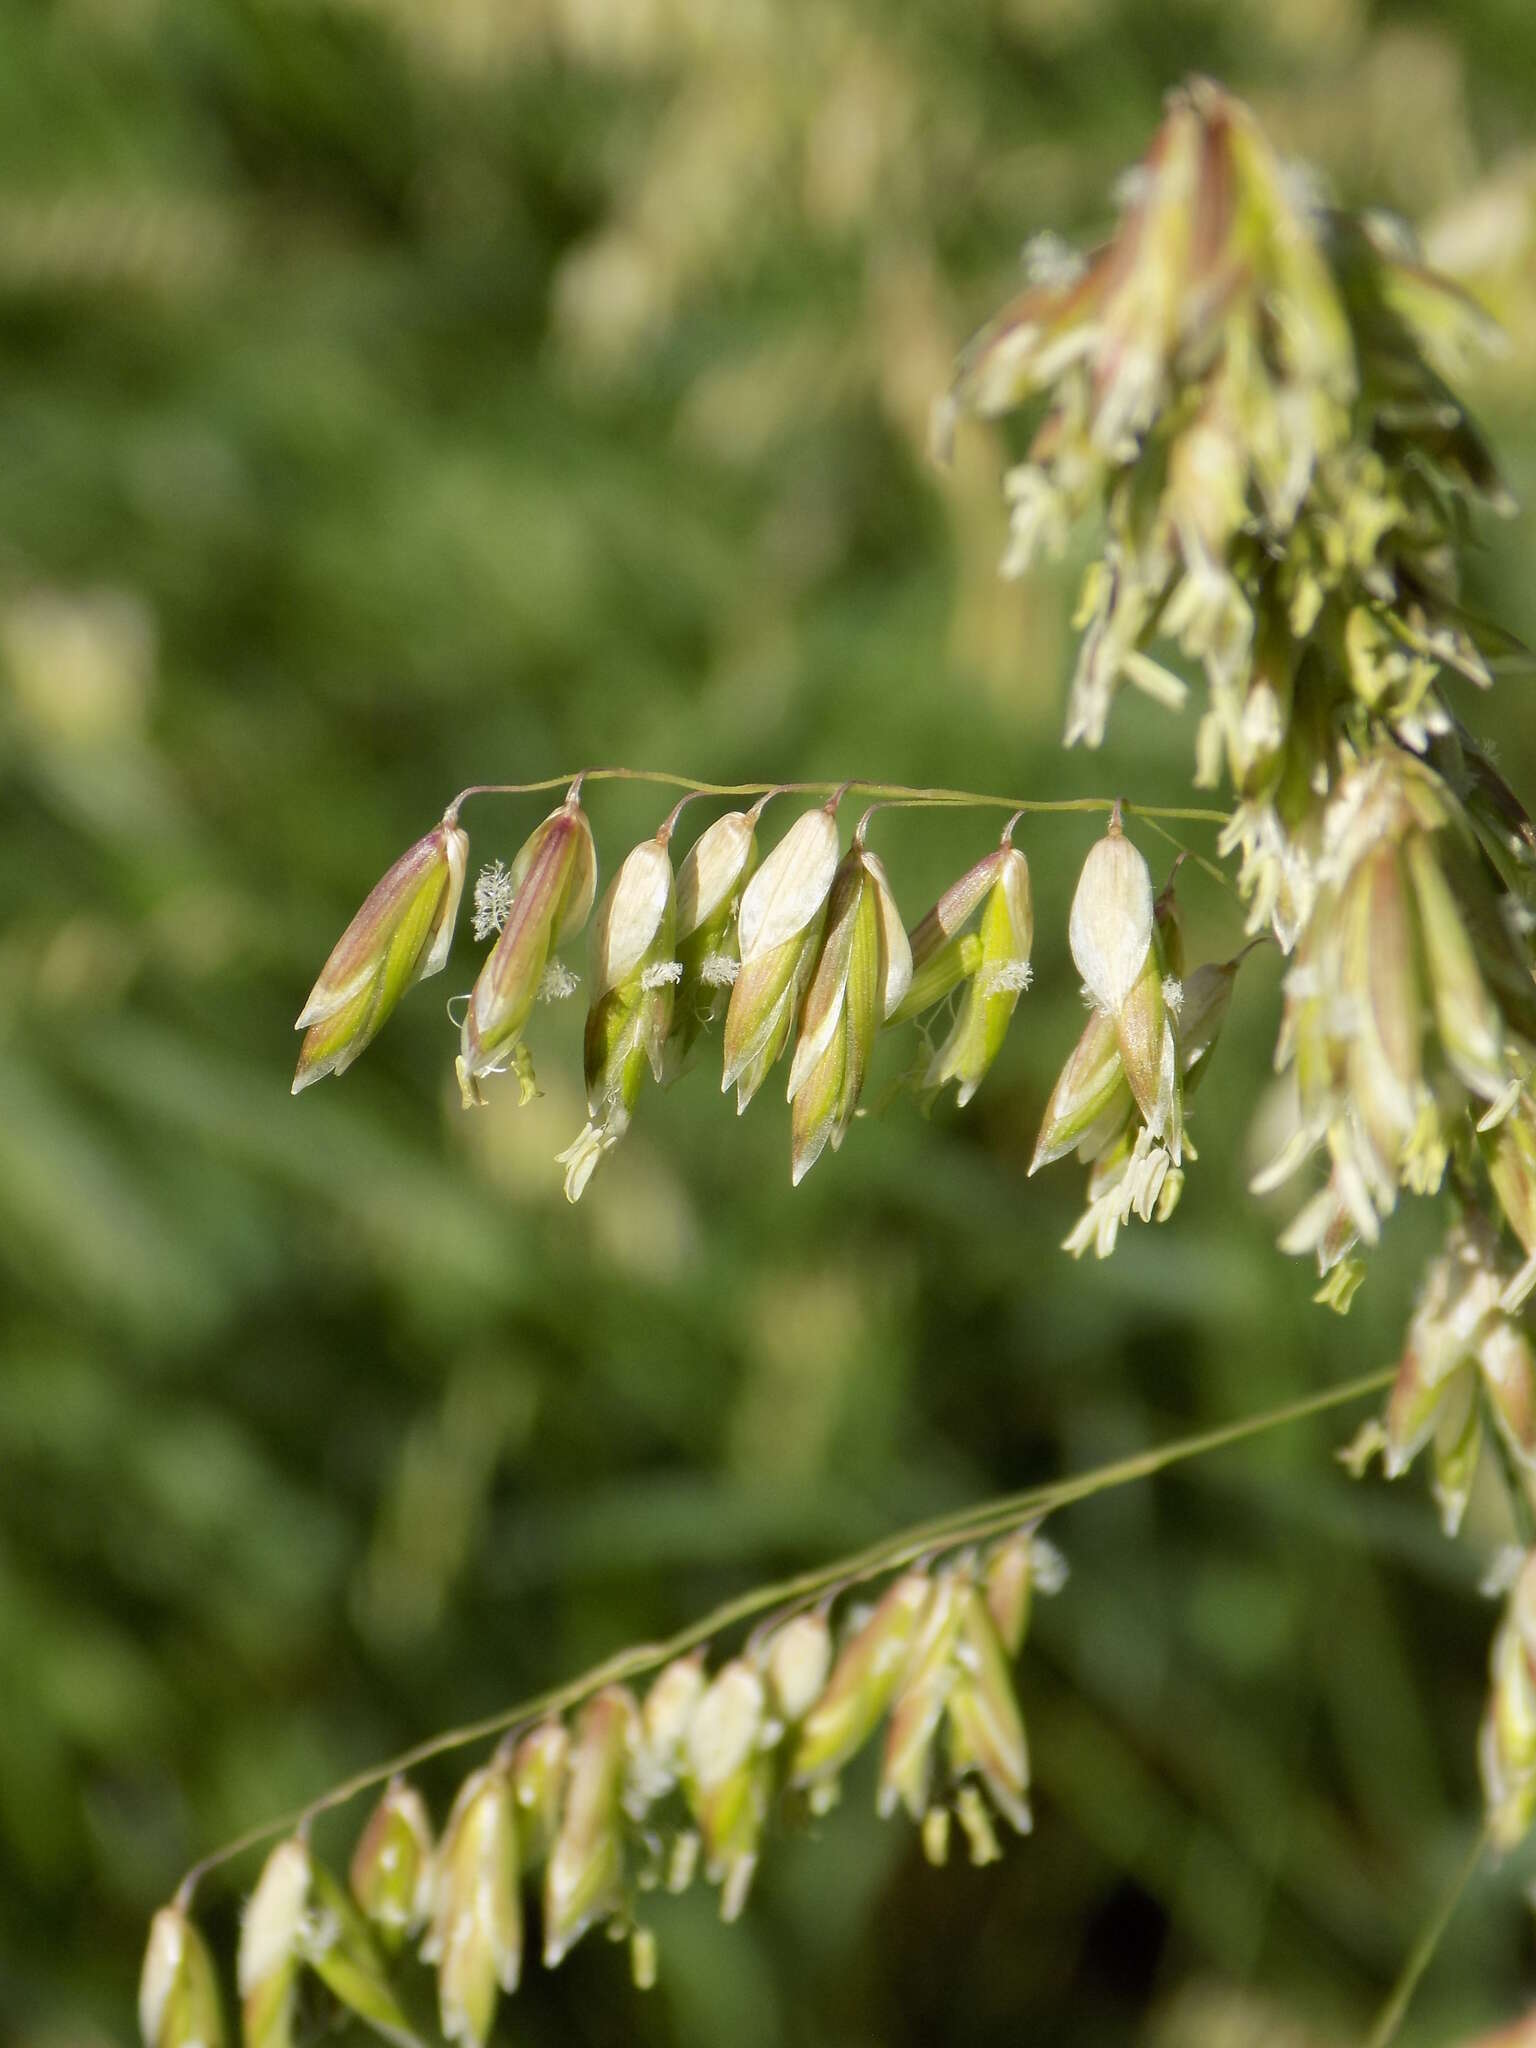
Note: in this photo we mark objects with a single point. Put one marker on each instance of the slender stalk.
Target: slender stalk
(974, 1524)
(1422, 1954)
(889, 792)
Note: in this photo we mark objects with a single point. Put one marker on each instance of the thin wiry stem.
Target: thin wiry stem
(943, 1532)
(891, 792)
(1422, 1954)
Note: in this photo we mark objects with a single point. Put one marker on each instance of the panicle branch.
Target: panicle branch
(599, 1793)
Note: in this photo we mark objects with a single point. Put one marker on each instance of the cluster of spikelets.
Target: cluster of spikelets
(631, 1795)
(804, 953)
(1250, 390)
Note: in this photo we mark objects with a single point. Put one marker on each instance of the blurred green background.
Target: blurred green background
(399, 393)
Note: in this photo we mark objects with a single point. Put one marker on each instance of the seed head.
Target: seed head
(476, 1936)
(710, 883)
(391, 1869)
(779, 931)
(633, 977)
(798, 1659)
(400, 936)
(862, 1682)
(862, 971)
(584, 1876)
(178, 1990)
(271, 1930)
(1111, 925)
(554, 879)
(726, 1777)
(1507, 1746)
(665, 1719)
(986, 1729)
(927, 1679)
(1002, 972)
(1092, 1099)
(538, 1783)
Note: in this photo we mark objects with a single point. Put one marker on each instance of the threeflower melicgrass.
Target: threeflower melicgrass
(1251, 395)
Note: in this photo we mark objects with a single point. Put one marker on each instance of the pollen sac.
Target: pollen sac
(727, 1779)
(271, 1932)
(633, 986)
(861, 974)
(554, 879)
(538, 1782)
(1007, 933)
(1507, 1744)
(178, 1989)
(583, 1880)
(1110, 930)
(476, 1935)
(400, 936)
(862, 1682)
(799, 1657)
(391, 1869)
(714, 873)
(779, 930)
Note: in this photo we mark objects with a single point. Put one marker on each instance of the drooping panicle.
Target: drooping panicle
(400, 936)
(554, 879)
(779, 930)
